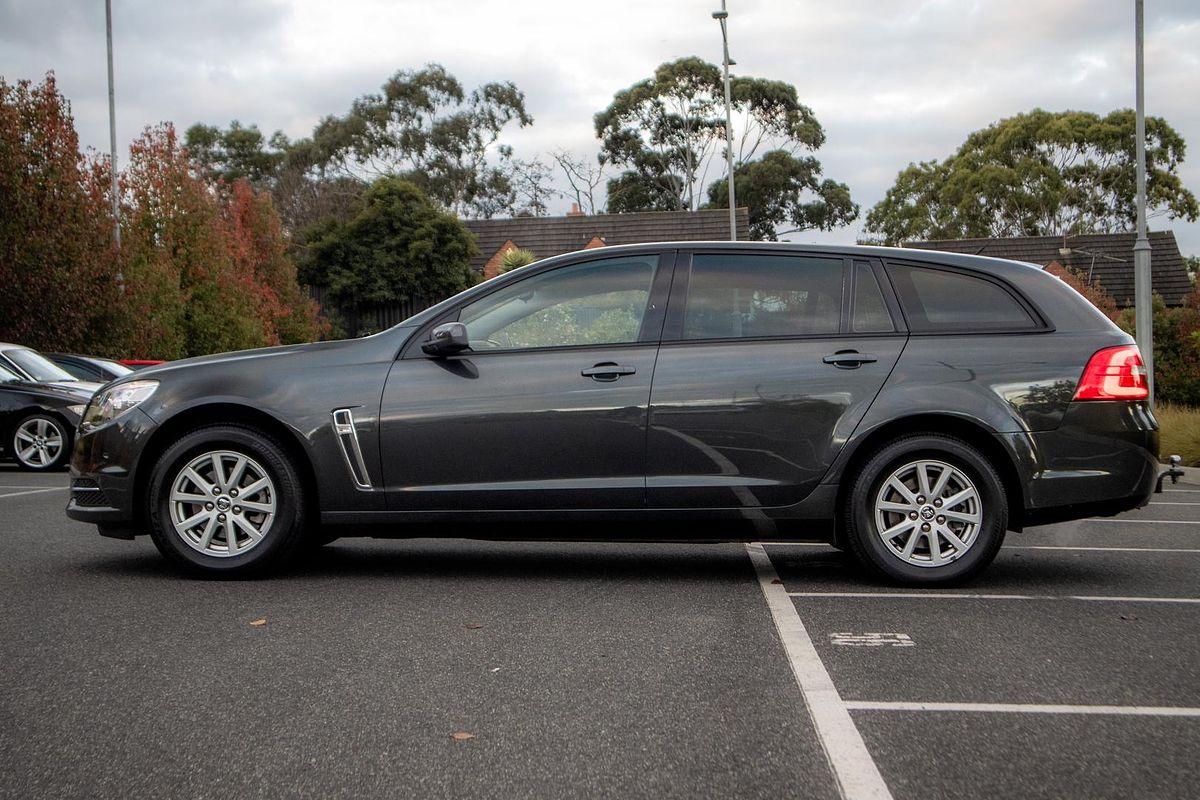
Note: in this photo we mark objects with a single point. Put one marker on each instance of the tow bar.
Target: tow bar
(1173, 472)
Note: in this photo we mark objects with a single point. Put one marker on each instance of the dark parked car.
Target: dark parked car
(89, 368)
(909, 406)
(32, 366)
(38, 420)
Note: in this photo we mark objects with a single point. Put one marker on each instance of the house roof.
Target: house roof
(551, 236)
(1104, 258)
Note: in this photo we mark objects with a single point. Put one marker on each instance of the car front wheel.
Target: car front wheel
(926, 509)
(41, 442)
(226, 500)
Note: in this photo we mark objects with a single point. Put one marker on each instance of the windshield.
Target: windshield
(115, 367)
(38, 366)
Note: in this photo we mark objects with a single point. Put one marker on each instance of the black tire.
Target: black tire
(52, 448)
(204, 551)
(964, 547)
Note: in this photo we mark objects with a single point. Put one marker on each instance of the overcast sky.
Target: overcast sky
(892, 81)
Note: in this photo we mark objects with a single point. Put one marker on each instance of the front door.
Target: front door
(547, 409)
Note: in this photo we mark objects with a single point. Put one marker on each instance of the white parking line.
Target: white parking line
(853, 769)
(1126, 521)
(35, 491)
(1103, 549)
(973, 596)
(1165, 503)
(1024, 708)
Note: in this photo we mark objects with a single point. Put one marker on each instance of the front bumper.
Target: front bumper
(104, 474)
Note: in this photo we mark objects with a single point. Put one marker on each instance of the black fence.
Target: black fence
(368, 318)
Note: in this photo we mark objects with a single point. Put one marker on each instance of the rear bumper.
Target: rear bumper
(1102, 460)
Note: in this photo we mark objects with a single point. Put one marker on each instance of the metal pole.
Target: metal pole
(112, 139)
(1141, 248)
(721, 16)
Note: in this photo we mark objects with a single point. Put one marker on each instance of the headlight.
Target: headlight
(77, 410)
(112, 403)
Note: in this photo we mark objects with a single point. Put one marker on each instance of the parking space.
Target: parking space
(1068, 669)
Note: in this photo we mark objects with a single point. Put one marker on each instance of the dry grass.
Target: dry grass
(1179, 432)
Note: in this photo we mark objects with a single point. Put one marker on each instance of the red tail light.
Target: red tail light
(1114, 373)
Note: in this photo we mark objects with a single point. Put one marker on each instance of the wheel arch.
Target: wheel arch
(223, 414)
(973, 433)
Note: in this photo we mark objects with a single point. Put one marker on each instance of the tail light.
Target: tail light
(1114, 373)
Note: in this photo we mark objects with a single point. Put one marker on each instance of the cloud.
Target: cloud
(892, 82)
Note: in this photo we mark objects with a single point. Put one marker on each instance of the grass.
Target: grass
(1179, 432)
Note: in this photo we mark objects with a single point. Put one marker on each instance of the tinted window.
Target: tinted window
(940, 300)
(600, 302)
(37, 365)
(870, 310)
(732, 296)
(80, 371)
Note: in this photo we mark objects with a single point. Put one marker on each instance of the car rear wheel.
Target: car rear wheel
(926, 509)
(41, 442)
(226, 500)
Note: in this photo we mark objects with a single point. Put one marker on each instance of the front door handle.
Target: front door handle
(849, 359)
(607, 371)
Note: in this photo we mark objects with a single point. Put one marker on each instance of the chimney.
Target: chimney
(574, 212)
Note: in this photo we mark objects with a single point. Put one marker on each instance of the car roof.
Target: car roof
(997, 266)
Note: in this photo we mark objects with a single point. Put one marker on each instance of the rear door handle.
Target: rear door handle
(607, 371)
(849, 359)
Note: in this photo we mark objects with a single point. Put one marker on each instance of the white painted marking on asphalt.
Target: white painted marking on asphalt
(872, 640)
(1024, 708)
(1146, 521)
(1104, 549)
(35, 491)
(1164, 503)
(968, 596)
(853, 769)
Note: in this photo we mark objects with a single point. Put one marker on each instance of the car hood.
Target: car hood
(261, 353)
(64, 390)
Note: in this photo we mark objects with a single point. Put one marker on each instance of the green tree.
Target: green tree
(783, 190)
(399, 246)
(424, 126)
(236, 152)
(1040, 173)
(668, 134)
(57, 263)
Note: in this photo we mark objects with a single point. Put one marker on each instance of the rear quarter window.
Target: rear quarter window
(937, 300)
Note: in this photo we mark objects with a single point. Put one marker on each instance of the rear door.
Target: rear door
(768, 363)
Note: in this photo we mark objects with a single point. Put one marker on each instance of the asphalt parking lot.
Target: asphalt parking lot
(1069, 670)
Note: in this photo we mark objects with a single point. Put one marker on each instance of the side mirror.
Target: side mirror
(447, 339)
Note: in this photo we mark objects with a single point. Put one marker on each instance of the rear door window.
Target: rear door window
(734, 296)
(941, 300)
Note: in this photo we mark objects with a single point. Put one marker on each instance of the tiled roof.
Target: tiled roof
(550, 236)
(1105, 258)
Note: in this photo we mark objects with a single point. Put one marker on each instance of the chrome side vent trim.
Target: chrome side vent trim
(347, 437)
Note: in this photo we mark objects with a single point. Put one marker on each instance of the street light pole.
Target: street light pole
(721, 16)
(1141, 248)
(112, 138)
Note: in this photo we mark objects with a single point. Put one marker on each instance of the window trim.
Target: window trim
(1041, 323)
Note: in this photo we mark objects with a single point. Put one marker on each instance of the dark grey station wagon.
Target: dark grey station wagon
(909, 406)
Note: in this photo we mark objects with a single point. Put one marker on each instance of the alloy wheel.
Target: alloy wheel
(222, 503)
(928, 513)
(38, 442)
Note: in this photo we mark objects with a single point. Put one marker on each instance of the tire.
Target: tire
(966, 518)
(41, 442)
(226, 484)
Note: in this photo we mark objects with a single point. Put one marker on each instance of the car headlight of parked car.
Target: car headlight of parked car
(77, 410)
(112, 403)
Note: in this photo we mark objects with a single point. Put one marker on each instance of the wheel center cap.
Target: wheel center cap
(223, 504)
(928, 512)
